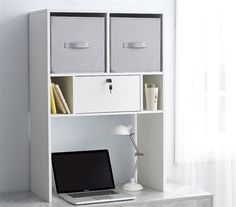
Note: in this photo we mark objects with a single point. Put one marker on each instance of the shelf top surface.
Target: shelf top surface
(98, 11)
(24, 199)
(101, 74)
(106, 114)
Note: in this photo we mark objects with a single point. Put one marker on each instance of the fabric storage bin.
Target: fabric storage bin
(77, 44)
(136, 43)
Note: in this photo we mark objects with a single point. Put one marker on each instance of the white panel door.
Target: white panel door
(96, 94)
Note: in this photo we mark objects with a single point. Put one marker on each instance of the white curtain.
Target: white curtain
(205, 145)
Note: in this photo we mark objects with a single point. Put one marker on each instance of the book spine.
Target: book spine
(52, 101)
(58, 101)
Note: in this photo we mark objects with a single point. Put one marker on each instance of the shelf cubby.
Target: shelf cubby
(158, 81)
(66, 86)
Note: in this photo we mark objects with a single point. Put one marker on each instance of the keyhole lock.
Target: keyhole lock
(109, 80)
(110, 88)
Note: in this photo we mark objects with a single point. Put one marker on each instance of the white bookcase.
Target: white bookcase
(94, 109)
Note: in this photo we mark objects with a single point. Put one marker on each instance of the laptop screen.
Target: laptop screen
(82, 171)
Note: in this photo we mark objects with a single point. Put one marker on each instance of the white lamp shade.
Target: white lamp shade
(121, 130)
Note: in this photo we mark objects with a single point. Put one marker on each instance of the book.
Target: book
(62, 99)
(58, 101)
(52, 101)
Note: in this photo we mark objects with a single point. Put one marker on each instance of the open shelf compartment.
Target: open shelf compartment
(157, 80)
(66, 86)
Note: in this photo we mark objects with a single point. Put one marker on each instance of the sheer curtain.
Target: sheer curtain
(205, 145)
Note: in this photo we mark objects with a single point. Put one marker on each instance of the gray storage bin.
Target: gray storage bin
(77, 44)
(136, 44)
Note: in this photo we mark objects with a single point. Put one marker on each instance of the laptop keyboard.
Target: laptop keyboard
(92, 193)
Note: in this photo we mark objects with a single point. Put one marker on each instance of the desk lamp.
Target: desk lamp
(125, 131)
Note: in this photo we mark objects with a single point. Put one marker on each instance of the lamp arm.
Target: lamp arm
(135, 166)
(133, 142)
(137, 155)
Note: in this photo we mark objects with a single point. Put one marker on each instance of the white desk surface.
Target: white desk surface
(147, 197)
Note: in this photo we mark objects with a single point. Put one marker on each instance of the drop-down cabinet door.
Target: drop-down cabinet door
(96, 94)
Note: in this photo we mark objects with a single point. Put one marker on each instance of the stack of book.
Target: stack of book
(58, 102)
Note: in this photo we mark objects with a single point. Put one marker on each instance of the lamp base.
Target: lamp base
(132, 186)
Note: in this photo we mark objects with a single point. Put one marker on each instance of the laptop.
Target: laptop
(85, 177)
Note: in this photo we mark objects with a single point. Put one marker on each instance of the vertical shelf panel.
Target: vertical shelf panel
(150, 141)
(39, 105)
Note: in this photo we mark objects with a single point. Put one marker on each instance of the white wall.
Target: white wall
(96, 134)
(14, 139)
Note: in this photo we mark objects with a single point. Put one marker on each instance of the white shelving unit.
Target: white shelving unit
(91, 129)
